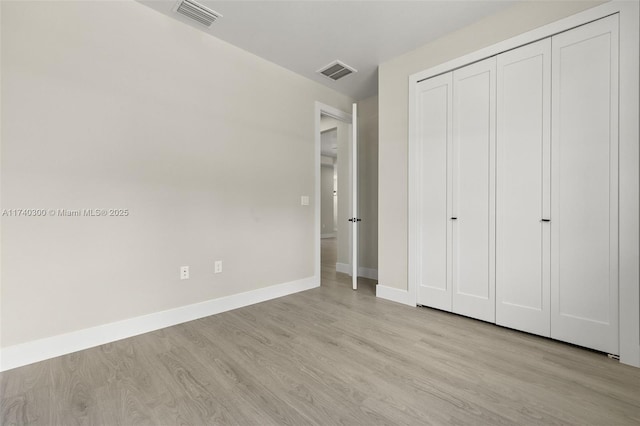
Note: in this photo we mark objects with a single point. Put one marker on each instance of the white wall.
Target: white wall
(393, 107)
(113, 105)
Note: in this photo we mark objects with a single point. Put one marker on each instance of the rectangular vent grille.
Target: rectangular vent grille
(336, 70)
(197, 12)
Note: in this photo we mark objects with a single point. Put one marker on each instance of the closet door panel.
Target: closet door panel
(474, 190)
(434, 135)
(584, 223)
(522, 198)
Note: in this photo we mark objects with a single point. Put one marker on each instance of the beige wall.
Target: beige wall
(113, 105)
(368, 182)
(393, 94)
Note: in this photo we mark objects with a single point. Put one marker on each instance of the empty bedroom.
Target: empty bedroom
(319, 212)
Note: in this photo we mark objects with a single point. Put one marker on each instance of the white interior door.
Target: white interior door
(584, 204)
(523, 188)
(474, 190)
(354, 197)
(434, 110)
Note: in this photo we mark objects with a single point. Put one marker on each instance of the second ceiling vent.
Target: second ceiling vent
(336, 70)
(196, 12)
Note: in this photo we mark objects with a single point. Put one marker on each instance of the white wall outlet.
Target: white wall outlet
(217, 267)
(304, 200)
(184, 272)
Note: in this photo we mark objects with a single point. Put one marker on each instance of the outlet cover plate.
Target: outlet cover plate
(184, 272)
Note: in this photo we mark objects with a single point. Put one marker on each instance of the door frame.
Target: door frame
(322, 109)
(629, 154)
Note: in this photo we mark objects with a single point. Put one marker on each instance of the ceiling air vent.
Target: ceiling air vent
(196, 12)
(336, 70)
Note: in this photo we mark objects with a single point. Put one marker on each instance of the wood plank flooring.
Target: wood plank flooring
(327, 356)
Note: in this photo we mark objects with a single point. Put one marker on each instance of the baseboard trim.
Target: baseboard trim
(345, 268)
(368, 273)
(631, 357)
(393, 294)
(51, 347)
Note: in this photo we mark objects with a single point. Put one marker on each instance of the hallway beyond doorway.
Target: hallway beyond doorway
(328, 257)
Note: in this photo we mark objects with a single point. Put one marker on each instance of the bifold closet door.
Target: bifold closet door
(434, 135)
(584, 204)
(523, 188)
(473, 207)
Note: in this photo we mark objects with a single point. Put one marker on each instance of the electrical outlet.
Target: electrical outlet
(184, 272)
(304, 200)
(218, 267)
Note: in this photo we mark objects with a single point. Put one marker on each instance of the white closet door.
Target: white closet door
(474, 190)
(523, 188)
(434, 135)
(584, 227)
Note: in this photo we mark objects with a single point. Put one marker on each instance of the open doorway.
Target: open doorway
(334, 198)
(334, 195)
(328, 182)
(356, 199)
(329, 202)
(335, 189)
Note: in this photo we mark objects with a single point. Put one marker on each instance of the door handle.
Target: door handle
(355, 219)
(545, 220)
(454, 218)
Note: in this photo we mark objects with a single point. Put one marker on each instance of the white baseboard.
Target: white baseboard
(345, 268)
(393, 294)
(51, 347)
(329, 235)
(368, 273)
(631, 358)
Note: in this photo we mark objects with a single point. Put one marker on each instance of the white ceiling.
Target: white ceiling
(305, 35)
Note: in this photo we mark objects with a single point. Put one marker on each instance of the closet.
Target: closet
(584, 186)
(472, 190)
(523, 202)
(518, 195)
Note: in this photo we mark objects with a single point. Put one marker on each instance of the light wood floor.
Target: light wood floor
(326, 356)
